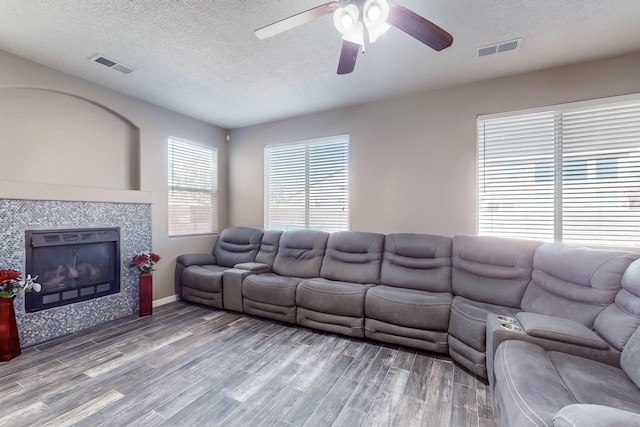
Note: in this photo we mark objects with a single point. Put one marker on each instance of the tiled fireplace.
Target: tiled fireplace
(133, 220)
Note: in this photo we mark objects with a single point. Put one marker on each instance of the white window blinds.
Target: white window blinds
(193, 188)
(570, 174)
(307, 185)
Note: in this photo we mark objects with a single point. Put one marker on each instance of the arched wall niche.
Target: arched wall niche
(54, 137)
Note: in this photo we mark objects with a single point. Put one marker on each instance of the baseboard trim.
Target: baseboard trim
(165, 300)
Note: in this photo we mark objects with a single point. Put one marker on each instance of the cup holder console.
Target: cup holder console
(507, 319)
(511, 326)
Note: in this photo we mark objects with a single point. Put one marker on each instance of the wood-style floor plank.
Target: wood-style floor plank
(333, 403)
(366, 391)
(188, 365)
(419, 377)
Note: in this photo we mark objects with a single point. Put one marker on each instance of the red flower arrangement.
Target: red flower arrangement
(144, 262)
(11, 283)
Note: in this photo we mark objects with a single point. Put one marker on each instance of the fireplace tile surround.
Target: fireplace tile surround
(17, 216)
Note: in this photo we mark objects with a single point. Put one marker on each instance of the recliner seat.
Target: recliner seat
(273, 295)
(412, 304)
(199, 276)
(334, 301)
(489, 275)
(574, 282)
(534, 387)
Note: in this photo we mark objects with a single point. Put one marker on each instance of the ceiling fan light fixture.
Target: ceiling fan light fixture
(350, 18)
(375, 14)
(345, 17)
(347, 21)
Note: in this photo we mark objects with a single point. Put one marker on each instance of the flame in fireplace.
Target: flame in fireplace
(71, 275)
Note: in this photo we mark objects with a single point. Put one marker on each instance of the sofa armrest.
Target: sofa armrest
(254, 267)
(559, 329)
(583, 415)
(500, 328)
(232, 286)
(187, 260)
(196, 259)
(232, 283)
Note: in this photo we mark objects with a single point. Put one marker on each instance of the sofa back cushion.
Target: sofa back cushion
(417, 261)
(353, 256)
(630, 358)
(618, 321)
(574, 282)
(300, 253)
(269, 247)
(492, 269)
(236, 245)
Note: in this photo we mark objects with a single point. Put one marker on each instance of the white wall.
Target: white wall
(60, 134)
(413, 158)
(40, 130)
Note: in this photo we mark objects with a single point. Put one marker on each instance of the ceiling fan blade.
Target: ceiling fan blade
(348, 56)
(418, 27)
(296, 20)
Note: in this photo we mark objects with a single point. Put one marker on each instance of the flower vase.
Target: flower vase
(145, 284)
(9, 340)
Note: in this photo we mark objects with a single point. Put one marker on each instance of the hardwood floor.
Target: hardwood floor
(189, 365)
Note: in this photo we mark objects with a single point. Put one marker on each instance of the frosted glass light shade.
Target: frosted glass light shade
(347, 21)
(375, 14)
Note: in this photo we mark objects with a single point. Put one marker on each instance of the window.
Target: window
(574, 169)
(193, 188)
(607, 168)
(307, 185)
(578, 173)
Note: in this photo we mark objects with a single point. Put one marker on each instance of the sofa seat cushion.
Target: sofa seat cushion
(332, 297)
(528, 390)
(409, 307)
(596, 383)
(271, 288)
(532, 385)
(207, 278)
(468, 322)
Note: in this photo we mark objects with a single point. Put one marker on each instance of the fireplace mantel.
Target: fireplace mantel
(19, 190)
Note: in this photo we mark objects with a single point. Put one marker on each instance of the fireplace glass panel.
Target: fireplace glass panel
(72, 265)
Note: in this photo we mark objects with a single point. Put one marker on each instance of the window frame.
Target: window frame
(211, 192)
(308, 212)
(602, 167)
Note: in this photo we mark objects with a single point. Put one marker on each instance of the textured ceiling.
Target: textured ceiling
(201, 58)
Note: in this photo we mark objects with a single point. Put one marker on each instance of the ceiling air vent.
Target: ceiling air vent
(505, 46)
(100, 59)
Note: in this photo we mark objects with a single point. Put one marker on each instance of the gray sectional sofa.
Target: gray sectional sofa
(551, 326)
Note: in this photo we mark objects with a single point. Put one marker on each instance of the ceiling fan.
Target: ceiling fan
(351, 17)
